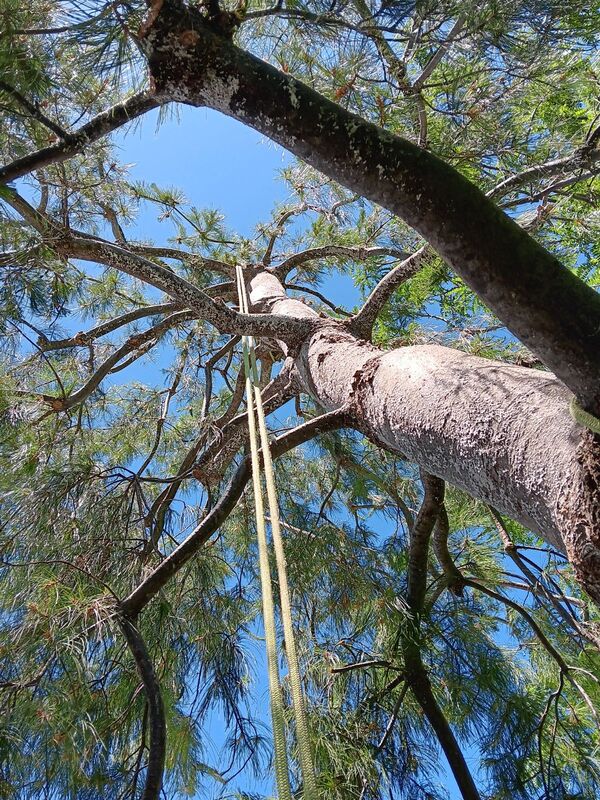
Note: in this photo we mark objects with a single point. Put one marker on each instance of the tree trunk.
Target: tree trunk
(547, 307)
(500, 432)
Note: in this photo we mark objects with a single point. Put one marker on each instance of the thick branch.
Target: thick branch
(99, 251)
(551, 311)
(454, 578)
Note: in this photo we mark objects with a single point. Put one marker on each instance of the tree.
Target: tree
(399, 111)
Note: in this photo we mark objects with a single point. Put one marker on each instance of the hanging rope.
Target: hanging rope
(302, 734)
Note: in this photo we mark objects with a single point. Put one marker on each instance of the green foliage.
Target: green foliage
(94, 497)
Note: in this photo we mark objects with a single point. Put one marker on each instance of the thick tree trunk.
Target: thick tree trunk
(541, 302)
(502, 433)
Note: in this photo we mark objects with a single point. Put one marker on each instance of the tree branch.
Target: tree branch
(334, 251)
(543, 639)
(33, 109)
(416, 674)
(362, 323)
(133, 343)
(78, 141)
(545, 305)
(149, 588)
(439, 54)
(156, 712)
(87, 248)
(85, 337)
(578, 160)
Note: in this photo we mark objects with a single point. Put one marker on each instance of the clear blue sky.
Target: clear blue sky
(220, 164)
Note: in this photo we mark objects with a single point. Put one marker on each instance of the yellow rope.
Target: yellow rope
(302, 732)
(276, 696)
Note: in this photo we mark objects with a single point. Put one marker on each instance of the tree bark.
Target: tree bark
(550, 310)
(500, 432)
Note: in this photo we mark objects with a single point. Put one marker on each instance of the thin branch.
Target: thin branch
(227, 441)
(373, 662)
(579, 159)
(542, 638)
(453, 575)
(157, 579)
(362, 323)
(309, 290)
(392, 720)
(439, 54)
(83, 338)
(78, 141)
(334, 251)
(33, 109)
(133, 343)
(537, 586)
(278, 230)
(156, 712)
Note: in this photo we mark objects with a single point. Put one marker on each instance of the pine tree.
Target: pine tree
(436, 446)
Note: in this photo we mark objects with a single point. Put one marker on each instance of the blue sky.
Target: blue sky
(223, 165)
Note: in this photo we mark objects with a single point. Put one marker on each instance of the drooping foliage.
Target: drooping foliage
(121, 424)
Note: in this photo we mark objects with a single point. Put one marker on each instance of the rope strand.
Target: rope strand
(276, 696)
(302, 731)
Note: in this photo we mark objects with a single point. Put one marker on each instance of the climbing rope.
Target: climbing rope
(254, 399)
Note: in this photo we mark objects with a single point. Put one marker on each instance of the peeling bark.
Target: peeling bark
(500, 432)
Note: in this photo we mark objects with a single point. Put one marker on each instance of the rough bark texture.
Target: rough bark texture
(550, 310)
(502, 433)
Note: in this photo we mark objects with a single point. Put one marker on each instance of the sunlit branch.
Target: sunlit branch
(537, 586)
(99, 251)
(86, 337)
(334, 251)
(133, 343)
(542, 638)
(309, 290)
(362, 322)
(439, 54)
(77, 141)
(32, 109)
(192, 260)
(579, 160)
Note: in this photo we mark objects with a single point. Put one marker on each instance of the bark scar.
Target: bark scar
(364, 378)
